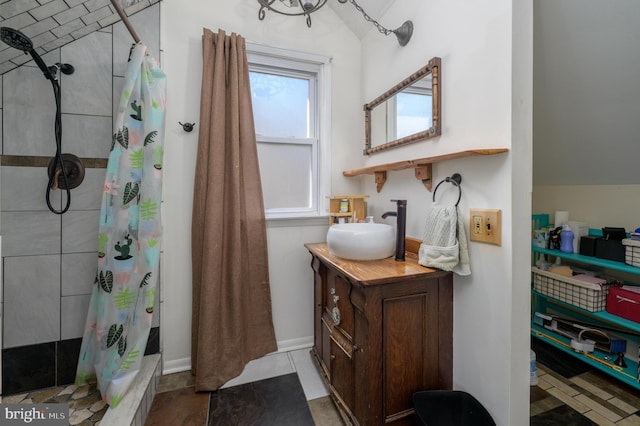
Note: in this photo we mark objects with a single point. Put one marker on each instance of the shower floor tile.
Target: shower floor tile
(85, 403)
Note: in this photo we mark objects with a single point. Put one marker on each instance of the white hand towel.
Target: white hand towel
(444, 245)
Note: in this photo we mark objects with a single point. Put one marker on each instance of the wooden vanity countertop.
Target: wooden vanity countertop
(374, 272)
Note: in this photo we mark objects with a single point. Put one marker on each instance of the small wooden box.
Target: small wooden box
(356, 209)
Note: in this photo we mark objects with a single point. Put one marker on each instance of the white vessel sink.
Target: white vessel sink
(361, 241)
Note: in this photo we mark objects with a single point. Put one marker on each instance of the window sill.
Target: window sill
(286, 222)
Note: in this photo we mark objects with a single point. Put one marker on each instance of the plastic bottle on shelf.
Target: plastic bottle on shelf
(566, 239)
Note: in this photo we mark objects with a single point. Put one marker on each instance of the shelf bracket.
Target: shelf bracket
(424, 173)
(381, 178)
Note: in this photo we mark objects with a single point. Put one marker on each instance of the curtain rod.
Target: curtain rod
(125, 20)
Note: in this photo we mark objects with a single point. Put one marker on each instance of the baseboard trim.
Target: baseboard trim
(184, 364)
(295, 344)
(176, 366)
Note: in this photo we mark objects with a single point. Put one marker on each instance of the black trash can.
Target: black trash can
(450, 408)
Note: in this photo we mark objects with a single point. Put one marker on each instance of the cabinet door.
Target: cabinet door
(410, 349)
(342, 372)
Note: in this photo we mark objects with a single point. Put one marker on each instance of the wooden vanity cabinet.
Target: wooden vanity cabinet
(383, 330)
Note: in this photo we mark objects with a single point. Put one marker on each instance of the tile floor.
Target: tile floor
(590, 398)
(176, 401)
(568, 393)
(86, 407)
(577, 395)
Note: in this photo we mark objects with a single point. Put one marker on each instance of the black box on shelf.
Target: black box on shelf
(588, 245)
(610, 249)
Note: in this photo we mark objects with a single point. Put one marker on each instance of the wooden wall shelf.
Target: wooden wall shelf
(422, 166)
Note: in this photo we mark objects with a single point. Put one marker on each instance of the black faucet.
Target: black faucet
(401, 225)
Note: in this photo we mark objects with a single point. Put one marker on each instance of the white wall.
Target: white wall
(586, 109)
(598, 205)
(486, 61)
(586, 92)
(290, 273)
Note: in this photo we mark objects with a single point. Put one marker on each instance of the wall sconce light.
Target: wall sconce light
(307, 7)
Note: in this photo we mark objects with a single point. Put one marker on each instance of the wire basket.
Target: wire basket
(631, 252)
(588, 296)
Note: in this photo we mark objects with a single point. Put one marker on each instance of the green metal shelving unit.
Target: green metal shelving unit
(541, 303)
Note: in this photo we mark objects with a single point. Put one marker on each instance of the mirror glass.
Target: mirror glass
(407, 113)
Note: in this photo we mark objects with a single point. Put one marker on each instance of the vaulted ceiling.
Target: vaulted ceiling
(51, 24)
(354, 19)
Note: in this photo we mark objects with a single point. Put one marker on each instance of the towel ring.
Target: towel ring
(455, 179)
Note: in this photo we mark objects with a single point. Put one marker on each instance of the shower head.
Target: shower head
(17, 40)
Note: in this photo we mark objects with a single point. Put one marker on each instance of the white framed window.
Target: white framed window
(291, 103)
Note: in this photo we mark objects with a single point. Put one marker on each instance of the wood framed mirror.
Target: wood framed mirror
(408, 112)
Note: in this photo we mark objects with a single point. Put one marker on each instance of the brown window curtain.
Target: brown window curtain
(231, 316)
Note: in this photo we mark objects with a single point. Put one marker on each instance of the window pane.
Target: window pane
(280, 105)
(413, 114)
(286, 175)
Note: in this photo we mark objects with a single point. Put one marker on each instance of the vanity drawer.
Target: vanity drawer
(338, 303)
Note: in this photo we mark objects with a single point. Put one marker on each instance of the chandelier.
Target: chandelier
(307, 7)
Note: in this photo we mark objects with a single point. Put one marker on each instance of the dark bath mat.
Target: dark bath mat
(276, 401)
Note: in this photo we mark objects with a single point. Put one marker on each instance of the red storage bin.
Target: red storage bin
(624, 303)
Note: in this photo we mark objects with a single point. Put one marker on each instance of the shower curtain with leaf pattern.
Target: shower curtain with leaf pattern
(123, 295)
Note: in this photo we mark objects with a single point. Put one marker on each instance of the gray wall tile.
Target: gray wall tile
(118, 85)
(88, 196)
(24, 189)
(80, 231)
(88, 89)
(32, 300)
(71, 26)
(14, 7)
(86, 135)
(30, 233)
(49, 59)
(19, 21)
(94, 26)
(147, 25)
(28, 114)
(93, 5)
(74, 316)
(39, 27)
(97, 15)
(48, 9)
(78, 273)
(70, 14)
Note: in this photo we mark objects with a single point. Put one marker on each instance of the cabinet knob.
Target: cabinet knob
(332, 357)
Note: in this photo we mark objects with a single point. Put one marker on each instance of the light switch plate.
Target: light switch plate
(486, 226)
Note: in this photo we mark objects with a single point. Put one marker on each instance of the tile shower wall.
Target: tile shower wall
(49, 260)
